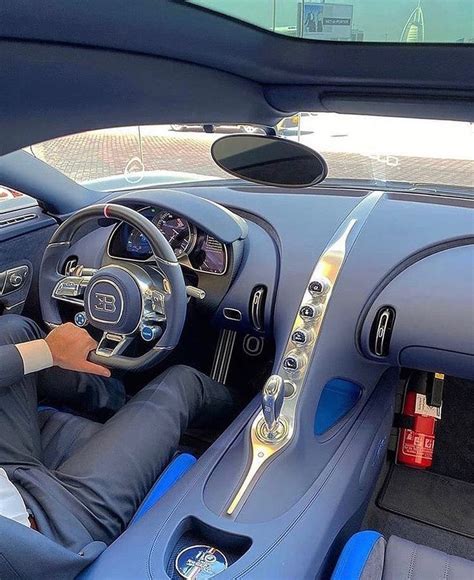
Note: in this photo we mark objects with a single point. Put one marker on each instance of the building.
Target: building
(414, 30)
(357, 35)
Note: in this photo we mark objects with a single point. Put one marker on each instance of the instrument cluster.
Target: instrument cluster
(193, 247)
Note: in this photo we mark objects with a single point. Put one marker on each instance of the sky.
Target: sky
(445, 20)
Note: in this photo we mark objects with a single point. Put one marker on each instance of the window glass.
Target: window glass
(10, 200)
(359, 150)
(438, 21)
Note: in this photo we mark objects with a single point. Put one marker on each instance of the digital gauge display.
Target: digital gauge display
(178, 232)
(191, 246)
(213, 255)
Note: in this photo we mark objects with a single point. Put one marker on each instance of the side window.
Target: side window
(11, 200)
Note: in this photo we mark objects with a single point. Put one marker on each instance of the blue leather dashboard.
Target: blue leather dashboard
(426, 273)
(393, 261)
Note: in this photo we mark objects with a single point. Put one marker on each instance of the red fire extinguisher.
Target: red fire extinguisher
(417, 434)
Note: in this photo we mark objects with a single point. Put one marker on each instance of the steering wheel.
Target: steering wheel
(122, 299)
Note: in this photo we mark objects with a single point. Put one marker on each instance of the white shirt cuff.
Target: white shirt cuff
(36, 355)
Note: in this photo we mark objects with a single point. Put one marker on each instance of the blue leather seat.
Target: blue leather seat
(62, 434)
(367, 556)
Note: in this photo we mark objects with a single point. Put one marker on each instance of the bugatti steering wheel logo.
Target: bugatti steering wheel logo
(105, 303)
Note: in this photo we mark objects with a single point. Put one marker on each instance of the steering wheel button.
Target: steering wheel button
(149, 333)
(80, 319)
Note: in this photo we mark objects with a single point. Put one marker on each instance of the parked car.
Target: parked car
(210, 128)
(7, 193)
(286, 123)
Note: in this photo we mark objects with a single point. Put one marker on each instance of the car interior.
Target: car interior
(342, 309)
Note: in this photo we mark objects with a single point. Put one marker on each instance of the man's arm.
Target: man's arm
(67, 346)
(11, 366)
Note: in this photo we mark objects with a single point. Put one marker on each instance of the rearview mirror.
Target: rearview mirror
(269, 160)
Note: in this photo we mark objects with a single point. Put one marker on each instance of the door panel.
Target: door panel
(24, 233)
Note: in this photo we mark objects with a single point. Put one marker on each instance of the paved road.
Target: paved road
(104, 153)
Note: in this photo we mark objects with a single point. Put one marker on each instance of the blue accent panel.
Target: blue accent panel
(354, 556)
(175, 471)
(337, 399)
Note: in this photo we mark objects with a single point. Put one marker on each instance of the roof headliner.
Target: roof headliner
(73, 66)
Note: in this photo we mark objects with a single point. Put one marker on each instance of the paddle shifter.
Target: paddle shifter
(273, 395)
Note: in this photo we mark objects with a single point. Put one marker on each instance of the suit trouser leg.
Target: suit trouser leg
(94, 396)
(20, 441)
(114, 471)
(95, 493)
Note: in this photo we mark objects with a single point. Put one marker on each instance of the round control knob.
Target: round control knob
(301, 336)
(149, 333)
(318, 287)
(309, 311)
(294, 362)
(80, 319)
(15, 280)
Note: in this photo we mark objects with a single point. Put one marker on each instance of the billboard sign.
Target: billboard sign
(326, 21)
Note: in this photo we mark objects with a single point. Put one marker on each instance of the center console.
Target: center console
(277, 492)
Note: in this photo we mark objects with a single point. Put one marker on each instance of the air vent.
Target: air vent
(18, 219)
(382, 331)
(257, 307)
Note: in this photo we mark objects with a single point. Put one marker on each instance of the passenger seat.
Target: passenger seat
(367, 556)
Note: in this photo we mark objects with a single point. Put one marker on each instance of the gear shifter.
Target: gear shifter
(272, 401)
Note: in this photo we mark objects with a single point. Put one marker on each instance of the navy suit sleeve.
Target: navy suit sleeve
(11, 366)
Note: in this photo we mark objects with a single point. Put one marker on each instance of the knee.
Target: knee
(181, 372)
(180, 378)
(15, 329)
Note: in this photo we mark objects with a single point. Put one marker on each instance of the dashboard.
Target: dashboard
(283, 236)
(193, 247)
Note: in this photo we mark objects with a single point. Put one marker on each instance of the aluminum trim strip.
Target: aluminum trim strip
(327, 270)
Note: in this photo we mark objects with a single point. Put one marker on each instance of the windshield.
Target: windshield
(359, 150)
(438, 21)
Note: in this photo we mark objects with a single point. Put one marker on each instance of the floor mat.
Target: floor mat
(454, 446)
(392, 524)
(430, 498)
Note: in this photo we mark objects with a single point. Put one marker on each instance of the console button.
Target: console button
(315, 287)
(309, 311)
(301, 337)
(293, 362)
(318, 287)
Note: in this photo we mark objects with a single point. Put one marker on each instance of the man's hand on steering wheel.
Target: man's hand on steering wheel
(70, 346)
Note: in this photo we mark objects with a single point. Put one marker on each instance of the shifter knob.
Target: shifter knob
(273, 396)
